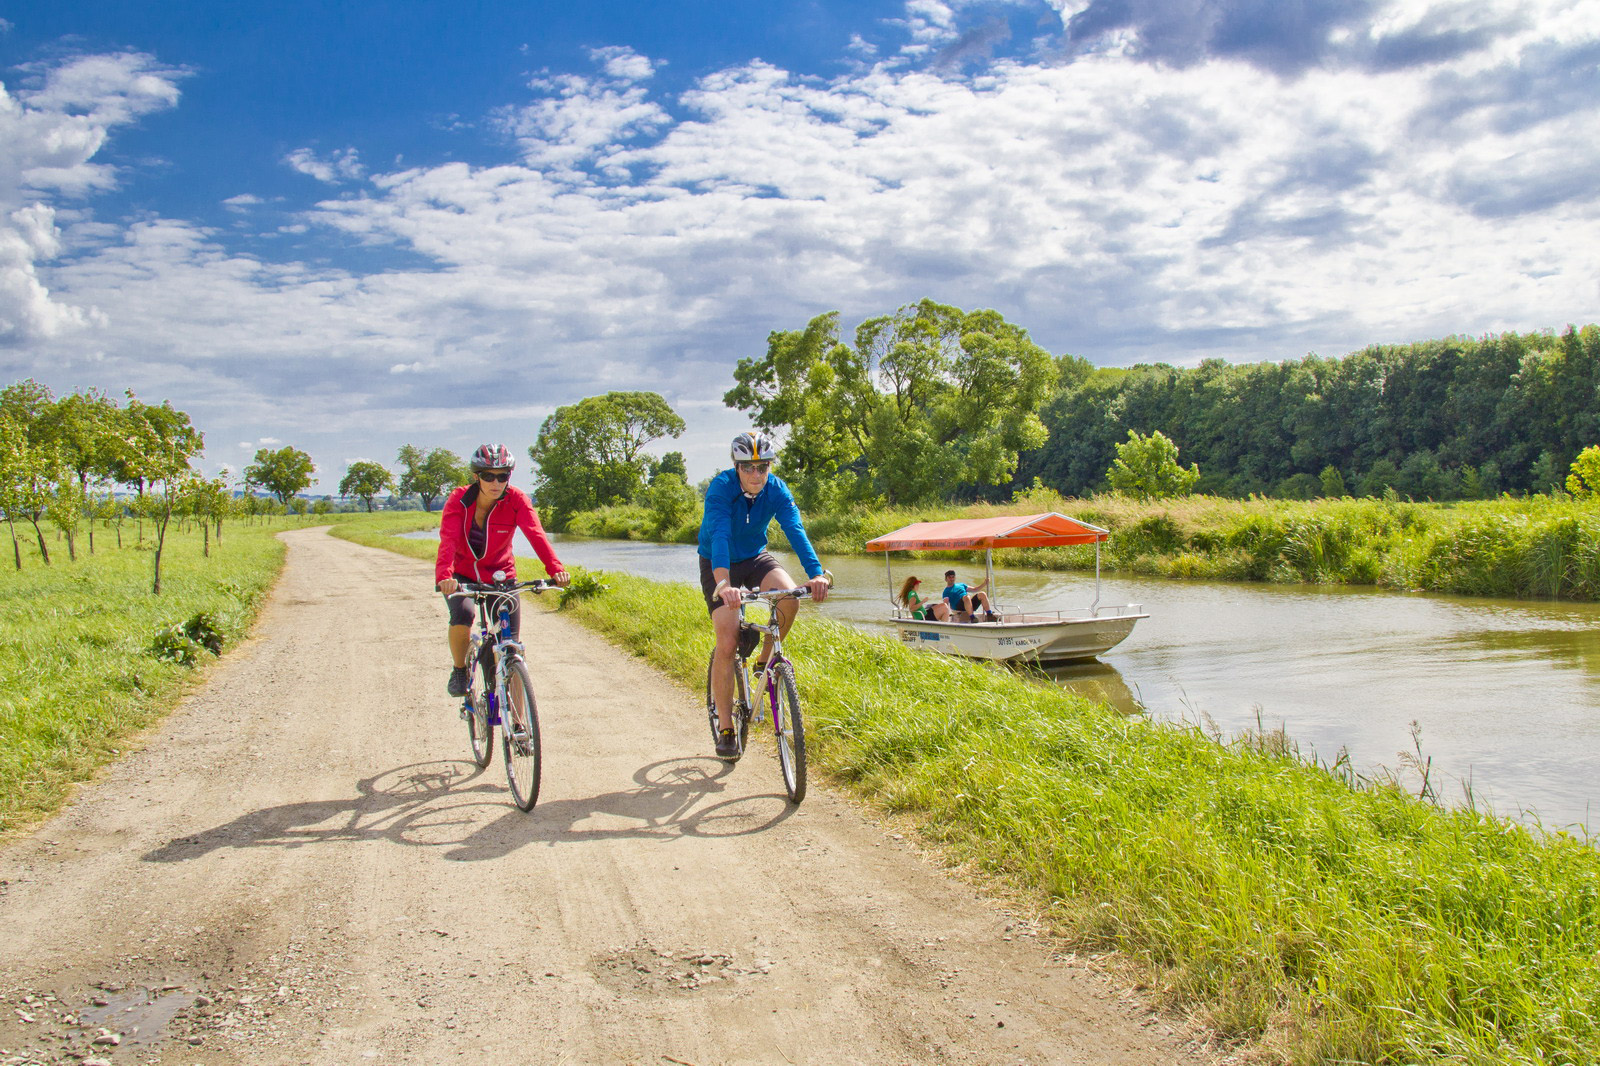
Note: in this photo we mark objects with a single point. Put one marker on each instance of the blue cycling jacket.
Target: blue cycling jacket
(734, 528)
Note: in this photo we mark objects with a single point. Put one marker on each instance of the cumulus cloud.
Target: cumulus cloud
(623, 64)
(343, 165)
(52, 128)
(1118, 207)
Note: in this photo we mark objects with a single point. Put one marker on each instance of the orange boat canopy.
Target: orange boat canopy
(1020, 531)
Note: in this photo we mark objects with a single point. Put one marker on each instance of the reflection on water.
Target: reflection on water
(1506, 692)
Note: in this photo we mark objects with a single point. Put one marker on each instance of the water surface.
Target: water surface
(1505, 693)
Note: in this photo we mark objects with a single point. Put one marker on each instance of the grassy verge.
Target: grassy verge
(1319, 919)
(1540, 547)
(379, 529)
(88, 656)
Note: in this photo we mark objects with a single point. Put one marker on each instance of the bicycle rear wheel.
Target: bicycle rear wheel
(788, 728)
(480, 733)
(519, 736)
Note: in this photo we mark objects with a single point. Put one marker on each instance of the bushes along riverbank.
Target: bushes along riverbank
(1538, 547)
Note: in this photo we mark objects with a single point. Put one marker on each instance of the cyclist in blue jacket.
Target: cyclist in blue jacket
(740, 504)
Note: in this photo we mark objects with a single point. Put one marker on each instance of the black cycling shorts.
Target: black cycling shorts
(463, 609)
(746, 573)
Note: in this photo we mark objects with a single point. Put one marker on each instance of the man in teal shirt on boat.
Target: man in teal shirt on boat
(740, 504)
(969, 599)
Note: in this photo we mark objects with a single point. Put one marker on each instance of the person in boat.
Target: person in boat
(740, 504)
(475, 532)
(966, 599)
(920, 608)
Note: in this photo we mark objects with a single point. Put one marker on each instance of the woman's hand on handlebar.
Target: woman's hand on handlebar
(449, 585)
(819, 588)
(560, 579)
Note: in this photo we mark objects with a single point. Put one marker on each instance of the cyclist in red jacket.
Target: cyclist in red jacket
(475, 541)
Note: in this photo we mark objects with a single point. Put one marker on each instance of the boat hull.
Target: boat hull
(1022, 640)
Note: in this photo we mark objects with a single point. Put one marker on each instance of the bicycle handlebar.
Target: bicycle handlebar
(749, 595)
(483, 590)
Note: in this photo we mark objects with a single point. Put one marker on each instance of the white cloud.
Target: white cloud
(623, 64)
(52, 129)
(1117, 209)
(343, 165)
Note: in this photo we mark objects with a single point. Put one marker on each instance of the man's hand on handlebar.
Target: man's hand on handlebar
(819, 588)
(560, 579)
(449, 585)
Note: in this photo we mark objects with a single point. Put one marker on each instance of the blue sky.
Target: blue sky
(352, 226)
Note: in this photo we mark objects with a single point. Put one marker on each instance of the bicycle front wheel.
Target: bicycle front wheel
(788, 728)
(480, 733)
(519, 735)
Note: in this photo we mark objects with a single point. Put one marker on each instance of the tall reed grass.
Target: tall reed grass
(88, 656)
(1313, 916)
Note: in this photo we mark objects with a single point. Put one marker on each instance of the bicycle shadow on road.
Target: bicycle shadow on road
(667, 803)
(400, 805)
(434, 804)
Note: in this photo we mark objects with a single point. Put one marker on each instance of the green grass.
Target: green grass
(379, 529)
(80, 672)
(1314, 918)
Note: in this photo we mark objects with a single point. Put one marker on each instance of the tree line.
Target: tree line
(1458, 418)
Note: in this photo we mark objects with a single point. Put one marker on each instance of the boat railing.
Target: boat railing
(1009, 613)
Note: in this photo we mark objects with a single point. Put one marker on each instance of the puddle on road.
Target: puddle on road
(138, 1014)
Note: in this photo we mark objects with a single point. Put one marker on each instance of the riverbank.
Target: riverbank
(89, 657)
(1536, 547)
(1315, 916)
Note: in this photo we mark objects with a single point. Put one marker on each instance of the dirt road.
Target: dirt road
(301, 866)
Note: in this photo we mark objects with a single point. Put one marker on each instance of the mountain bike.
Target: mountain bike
(503, 696)
(776, 690)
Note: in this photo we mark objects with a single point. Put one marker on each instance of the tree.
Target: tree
(33, 461)
(1584, 480)
(928, 398)
(157, 444)
(431, 474)
(1332, 482)
(364, 480)
(1147, 468)
(589, 453)
(671, 463)
(671, 501)
(83, 426)
(282, 473)
(209, 501)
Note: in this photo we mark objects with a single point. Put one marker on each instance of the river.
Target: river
(1505, 693)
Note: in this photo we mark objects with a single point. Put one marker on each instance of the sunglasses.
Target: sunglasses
(755, 468)
(489, 475)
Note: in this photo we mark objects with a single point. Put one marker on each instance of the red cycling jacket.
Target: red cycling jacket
(513, 511)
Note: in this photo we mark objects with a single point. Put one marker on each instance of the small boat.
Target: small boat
(1017, 635)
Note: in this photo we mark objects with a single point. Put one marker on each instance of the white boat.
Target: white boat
(1018, 635)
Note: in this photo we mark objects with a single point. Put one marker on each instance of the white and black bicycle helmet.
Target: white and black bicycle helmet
(754, 446)
(492, 457)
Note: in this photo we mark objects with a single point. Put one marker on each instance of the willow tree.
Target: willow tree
(926, 399)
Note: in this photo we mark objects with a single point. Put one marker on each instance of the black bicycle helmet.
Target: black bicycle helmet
(492, 457)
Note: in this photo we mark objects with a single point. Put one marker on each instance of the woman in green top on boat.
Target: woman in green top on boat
(920, 608)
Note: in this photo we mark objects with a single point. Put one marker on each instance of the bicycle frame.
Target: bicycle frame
(741, 677)
(495, 633)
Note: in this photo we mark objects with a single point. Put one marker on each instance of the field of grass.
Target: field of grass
(1538, 547)
(1316, 918)
(88, 656)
